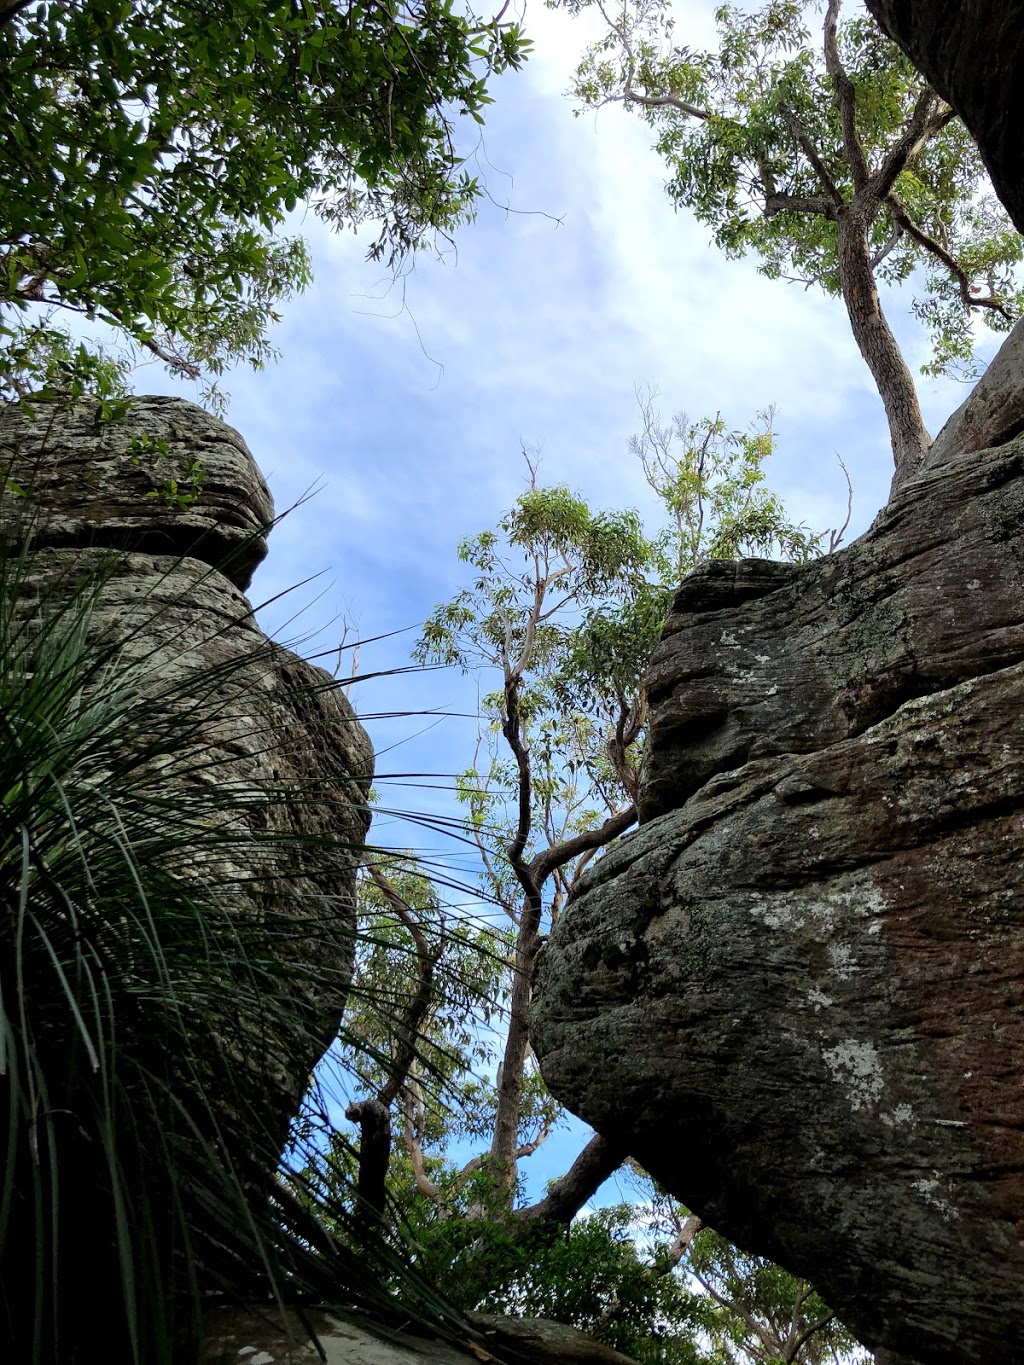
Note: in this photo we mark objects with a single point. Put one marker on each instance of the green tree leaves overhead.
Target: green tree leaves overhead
(822, 152)
(153, 148)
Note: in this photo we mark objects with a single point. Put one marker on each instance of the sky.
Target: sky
(405, 404)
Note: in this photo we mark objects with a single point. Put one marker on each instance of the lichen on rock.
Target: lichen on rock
(797, 991)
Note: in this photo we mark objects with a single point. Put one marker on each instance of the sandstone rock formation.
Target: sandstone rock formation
(260, 748)
(264, 1339)
(972, 52)
(797, 991)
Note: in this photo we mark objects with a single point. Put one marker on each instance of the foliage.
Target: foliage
(551, 546)
(758, 1311)
(155, 946)
(711, 484)
(155, 148)
(770, 137)
(467, 958)
(591, 1275)
(562, 608)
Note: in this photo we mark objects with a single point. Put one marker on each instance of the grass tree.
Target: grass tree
(171, 942)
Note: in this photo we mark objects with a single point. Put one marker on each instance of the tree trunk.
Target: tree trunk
(895, 384)
(374, 1121)
(505, 1139)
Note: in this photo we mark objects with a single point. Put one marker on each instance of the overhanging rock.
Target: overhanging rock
(797, 992)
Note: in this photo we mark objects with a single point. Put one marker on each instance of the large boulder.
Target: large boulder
(146, 531)
(267, 1338)
(797, 991)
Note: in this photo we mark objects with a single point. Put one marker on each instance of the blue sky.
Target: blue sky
(406, 403)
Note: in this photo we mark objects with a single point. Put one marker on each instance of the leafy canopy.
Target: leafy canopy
(754, 133)
(153, 148)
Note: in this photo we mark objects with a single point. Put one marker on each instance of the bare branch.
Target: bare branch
(414, 1146)
(545, 863)
(628, 725)
(835, 536)
(685, 1234)
(846, 98)
(526, 1149)
(631, 96)
(598, 1160)
(888, 246)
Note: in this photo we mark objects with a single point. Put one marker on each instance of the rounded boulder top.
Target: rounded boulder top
(166, 478)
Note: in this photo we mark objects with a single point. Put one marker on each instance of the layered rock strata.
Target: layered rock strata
(797, 992)
(150, 528)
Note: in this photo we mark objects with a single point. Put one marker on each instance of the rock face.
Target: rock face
(992, 413)
(348, 1341)
(93, 485)
(797, 991)
(256, 742)
(972, 52)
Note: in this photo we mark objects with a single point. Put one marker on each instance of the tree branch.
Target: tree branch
(770, 1345)
(809, 1332)
(374, 1121)
(526, 1149)
(890, 245)
(512, 731)
(629, 95)
(809, 150)
(903, 219)
(598, 1160)
(800, 203)
(685, 1233)
(407, 1031)
(415, 1147)
(846, 98)
(920, 128)
(9, 9)
(545, 863)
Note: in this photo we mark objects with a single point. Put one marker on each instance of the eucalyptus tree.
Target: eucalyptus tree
(562, 609)
(550, 559)
(830, 159)
(153, 149)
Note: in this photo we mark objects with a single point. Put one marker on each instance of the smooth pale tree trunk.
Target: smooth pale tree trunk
(895, 384)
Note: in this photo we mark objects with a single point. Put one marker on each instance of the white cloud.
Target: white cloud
(544, 320)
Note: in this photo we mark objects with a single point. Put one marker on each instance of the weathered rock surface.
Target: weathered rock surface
(992, 413)
(797, 992)
(972, 52)
(253, 1338)
(256, 722)
(173, 599)
(99, 485)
